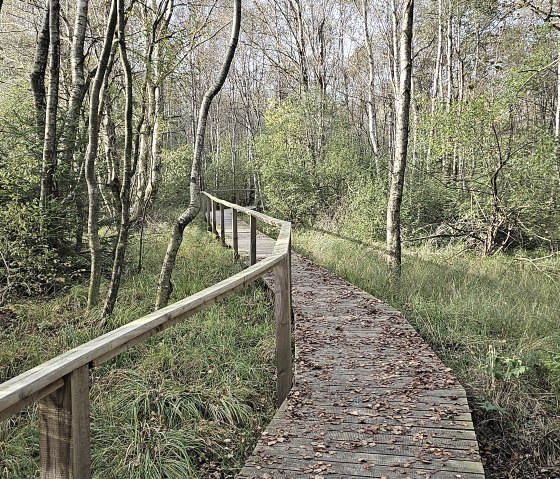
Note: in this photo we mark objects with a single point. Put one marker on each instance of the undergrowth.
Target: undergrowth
(494, 320)
(187, 403)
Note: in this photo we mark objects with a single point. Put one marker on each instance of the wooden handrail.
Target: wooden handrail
(61, 385)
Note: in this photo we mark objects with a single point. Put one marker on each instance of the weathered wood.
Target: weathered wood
(208, 206)
(283, 315)
(234, 234)
(253, 240)
(214, 228)
(32, 398)
(55, 432)
(222, 226)
(64, 426)
(81, 442)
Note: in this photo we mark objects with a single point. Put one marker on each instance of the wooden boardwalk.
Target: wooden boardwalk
(371, 399)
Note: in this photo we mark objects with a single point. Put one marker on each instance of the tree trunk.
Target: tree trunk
(371, 107)
(91, 155)
(78, 80)
(402, 113)
(49, 145)
(122, 241)
(38, 75)
(164, 286)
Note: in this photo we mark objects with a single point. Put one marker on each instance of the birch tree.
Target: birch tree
(402, 81)
(164, 286)
(91, 155)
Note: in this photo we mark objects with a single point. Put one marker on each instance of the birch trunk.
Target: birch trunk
(371, 107)
(91, 156)
(164, 286)
(78, 79)
(124, 198)
(51, 115)
(402, 113)
(37, 76)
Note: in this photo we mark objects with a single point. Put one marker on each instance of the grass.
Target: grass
(187, 403)
(493, 320)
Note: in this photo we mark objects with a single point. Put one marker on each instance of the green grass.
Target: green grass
(183, 404)
(487, 318)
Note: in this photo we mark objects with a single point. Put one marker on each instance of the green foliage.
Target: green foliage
(176, 172)
(502, 368)
(307, 157)
(35, 252)
(363, 213)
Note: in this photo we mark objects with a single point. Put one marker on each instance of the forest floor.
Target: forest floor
(493, 320)
(190, 402)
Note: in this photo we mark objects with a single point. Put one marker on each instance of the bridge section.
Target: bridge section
(370, 400)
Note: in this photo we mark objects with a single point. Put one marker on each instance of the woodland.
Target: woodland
(414, 145)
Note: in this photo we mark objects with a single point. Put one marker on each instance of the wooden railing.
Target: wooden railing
(61, 386)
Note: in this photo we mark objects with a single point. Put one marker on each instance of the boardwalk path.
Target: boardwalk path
(371, 399)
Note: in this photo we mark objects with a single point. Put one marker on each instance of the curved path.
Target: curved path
(371, 399)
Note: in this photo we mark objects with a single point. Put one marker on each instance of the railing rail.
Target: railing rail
(61, 385)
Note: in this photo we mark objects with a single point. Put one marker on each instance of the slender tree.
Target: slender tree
(51, 116)
(402, 113)
(91, 155)
(164, 286)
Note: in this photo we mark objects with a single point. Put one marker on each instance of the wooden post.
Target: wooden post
(214, 229)
(283, 315)
(253, 240)
(234, 234)
(64, 426)
(222, 225)
(208, 206)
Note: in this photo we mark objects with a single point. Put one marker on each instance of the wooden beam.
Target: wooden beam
(253, 240)
(64, 429)
(283, 315)
(234, 233)
(214, 229)
(222, 225)
(81, 442)
(208, 205)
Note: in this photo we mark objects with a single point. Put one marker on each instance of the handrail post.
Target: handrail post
(208, 208)
(253, 240)
(283, 315)
(222, 225)
(214, 229)
(64, 426)
(234, 233)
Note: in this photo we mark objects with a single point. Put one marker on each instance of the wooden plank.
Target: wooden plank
(214, 229)
(80, 445)
(382, 427)
(425, 459)
(283, 314)
(319, 468)
(17, 389)
(55, 430)
(222, 226)
(234, 234)
(208, 204)
(317, 431)
(253, 240)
